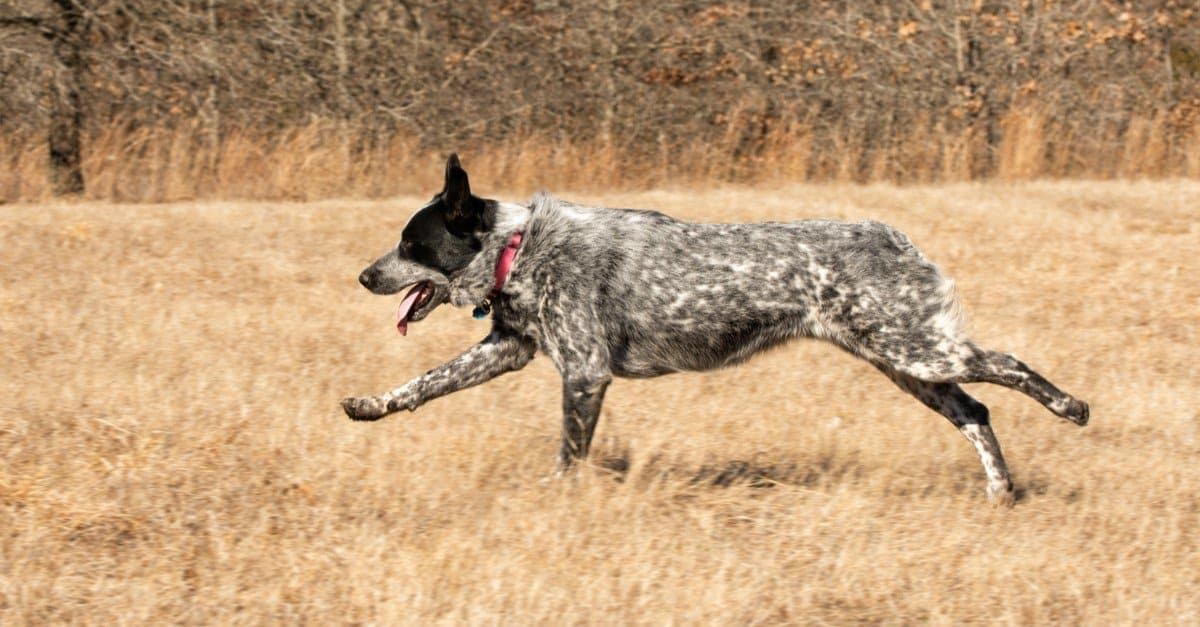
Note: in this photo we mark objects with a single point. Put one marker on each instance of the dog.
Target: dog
(630, 293)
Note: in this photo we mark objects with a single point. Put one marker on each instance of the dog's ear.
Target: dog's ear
(457, 191)
(465, 213)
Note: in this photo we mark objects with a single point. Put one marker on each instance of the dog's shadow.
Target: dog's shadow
(758, 473)
(815, 472)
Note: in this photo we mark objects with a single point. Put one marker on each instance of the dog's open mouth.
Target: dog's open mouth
(414, 306)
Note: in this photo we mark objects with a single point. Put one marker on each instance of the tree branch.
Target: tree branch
(23, 20)
(43, 26)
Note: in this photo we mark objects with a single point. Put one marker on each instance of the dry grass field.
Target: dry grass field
(172, 450)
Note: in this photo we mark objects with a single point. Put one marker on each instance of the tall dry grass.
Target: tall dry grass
(333, 159)
(172, 450)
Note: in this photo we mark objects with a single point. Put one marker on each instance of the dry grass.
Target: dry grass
(338, 159)
(171, 448)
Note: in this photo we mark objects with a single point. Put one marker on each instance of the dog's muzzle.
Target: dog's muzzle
(369, 278)
(390, 275)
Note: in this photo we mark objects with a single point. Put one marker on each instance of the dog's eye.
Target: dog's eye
(415, 251)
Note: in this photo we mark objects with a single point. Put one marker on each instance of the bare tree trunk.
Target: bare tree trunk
(211, 113)
(959, 60)
(340, 56)
(342, 59)
(610, 79)
(66, 114)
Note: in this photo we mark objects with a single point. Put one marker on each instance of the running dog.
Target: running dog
(613, 292)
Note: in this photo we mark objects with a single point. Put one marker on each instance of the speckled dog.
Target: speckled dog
(607, 292)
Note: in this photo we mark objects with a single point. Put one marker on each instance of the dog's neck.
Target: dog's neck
(476, 281)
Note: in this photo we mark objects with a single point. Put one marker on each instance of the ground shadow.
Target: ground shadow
(819, 470)
(756, 472)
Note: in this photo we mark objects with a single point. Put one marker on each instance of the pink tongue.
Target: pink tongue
(406, 306)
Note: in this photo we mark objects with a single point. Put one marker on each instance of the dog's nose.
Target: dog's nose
(366, 278)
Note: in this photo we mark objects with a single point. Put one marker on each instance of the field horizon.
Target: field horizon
(172, 449)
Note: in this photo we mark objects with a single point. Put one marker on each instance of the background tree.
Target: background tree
(916, 90)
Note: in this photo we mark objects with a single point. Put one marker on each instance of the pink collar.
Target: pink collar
(506, 261)
(503, 267)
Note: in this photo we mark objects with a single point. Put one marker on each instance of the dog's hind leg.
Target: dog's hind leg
(1004, 369)
(930, 355)
(971, 419)
(497, 354)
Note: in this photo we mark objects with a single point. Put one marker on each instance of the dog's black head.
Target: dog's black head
(439, 240)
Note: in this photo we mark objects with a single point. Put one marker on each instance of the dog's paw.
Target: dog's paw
(369, 408)
(1078, 412)
(1001, 495)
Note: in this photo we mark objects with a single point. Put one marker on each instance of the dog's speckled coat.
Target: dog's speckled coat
(606, 292)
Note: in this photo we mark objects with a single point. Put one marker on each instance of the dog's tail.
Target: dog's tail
(951, 320)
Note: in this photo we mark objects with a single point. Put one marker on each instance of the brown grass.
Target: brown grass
(338, 159)
(171, 448)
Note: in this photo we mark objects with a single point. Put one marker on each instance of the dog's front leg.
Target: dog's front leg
(497, 354)
(582, 398)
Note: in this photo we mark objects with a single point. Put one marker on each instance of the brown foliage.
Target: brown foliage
(636, 91)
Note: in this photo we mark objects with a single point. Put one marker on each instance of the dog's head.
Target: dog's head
(440, 240)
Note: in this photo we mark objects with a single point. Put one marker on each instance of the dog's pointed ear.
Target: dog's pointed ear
(457, 191)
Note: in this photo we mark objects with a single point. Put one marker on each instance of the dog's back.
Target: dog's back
(673, 295)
